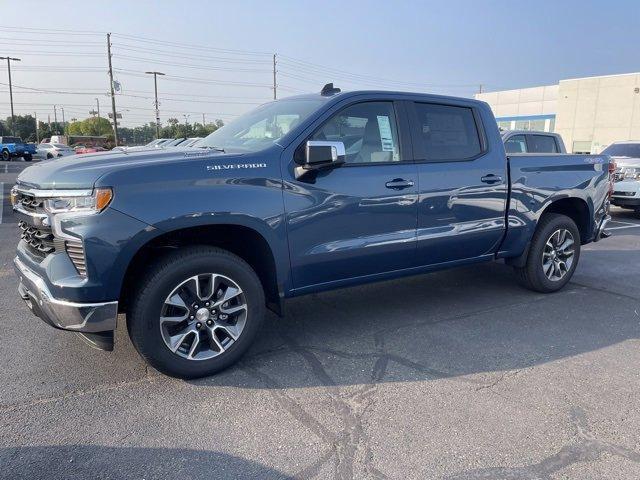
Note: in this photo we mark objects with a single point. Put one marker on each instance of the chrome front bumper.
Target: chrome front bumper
(86, 318)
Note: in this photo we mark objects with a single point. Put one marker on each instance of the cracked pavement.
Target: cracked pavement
(458, 375)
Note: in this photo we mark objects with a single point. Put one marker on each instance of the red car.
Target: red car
(88, 149)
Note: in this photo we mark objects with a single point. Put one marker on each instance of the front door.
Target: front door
(359, 219)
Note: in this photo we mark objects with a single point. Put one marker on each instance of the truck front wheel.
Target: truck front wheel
(553, 255)
(196, 312)
(6, 156)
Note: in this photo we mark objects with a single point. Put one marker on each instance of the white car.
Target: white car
(626, 190)
(47, 151)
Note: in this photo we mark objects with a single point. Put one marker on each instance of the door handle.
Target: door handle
(491, 178)
(399, 184)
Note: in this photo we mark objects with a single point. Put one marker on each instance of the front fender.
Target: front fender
(183, 195)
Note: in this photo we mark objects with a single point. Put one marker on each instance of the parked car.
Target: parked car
(627, 175)
(524, 141)
(300, 195)
(12, 147)
(174, 143)
(190, 142)
(53, 150)
(160, 142)
(81, 149)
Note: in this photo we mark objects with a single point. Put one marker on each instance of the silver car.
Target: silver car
(47, 151)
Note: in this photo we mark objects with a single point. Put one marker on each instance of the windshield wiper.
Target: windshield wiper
(217, 149)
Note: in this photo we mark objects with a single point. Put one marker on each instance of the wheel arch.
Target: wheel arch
(577, 210)
(246, 242)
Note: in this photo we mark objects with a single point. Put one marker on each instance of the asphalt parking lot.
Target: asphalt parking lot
(460, 374)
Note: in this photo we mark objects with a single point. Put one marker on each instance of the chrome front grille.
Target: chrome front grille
(75, 250)
(40, 241)
(29, 202)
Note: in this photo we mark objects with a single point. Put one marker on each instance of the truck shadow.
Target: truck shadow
(81, 462)
(474, 320)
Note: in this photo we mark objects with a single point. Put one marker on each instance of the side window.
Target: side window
(542, 144)
(516, 144)
(448, 133)
(368, 131)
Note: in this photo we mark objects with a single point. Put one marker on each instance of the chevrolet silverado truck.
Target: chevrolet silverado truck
(12, 147)
(300, 195)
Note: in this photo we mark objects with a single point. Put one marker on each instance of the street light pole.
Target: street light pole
(155, 85)
(13, 118)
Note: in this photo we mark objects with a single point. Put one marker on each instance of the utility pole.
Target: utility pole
(13, 118)
(480, 89)
(55, 115)
(155, 85)
(64, 124)
(35, 118)
(186, 119)
(113, 97)
(203, 124)
(275, 84)
(98, 105)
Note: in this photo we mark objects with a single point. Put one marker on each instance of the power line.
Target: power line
(190, 46)
(186, 65)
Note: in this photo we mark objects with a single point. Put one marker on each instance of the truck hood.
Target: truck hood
(82, 171)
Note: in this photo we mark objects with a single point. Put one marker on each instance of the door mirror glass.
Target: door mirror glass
(320, 153)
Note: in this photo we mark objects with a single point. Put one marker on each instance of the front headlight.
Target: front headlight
(632, 174)
(94, 203)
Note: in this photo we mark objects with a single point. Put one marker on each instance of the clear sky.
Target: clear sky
(446, 47)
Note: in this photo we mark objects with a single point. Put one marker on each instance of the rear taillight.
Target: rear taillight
(612, 173)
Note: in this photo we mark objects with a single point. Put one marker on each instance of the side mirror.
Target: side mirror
(322, 154)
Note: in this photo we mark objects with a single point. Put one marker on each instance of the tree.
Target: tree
(91, 126)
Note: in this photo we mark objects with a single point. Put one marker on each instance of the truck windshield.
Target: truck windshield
(623, 150)
(261, 127)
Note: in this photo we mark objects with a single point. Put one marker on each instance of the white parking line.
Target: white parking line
(625, 223)
(627, 226)
(1, 201)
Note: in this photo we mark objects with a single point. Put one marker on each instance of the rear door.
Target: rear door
(359, 219)
(463, 182)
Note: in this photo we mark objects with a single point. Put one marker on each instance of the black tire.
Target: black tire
(27, 157)
(6, 156)
(143, 314)
(49, 156)
(532, 275)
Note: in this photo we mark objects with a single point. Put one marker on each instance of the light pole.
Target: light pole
(155, 85)
(13, 118)
(98, 105)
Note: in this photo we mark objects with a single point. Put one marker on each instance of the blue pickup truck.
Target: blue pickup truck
(300, 195)
(13, 147)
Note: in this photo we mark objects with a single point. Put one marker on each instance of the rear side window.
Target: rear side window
(447, 133)
(516, 144)
(542, 144)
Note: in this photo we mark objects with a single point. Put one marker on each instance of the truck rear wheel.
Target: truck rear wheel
(196, 312)
(27, 157)
(553, 255)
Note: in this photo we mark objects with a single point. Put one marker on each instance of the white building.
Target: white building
(589, 113)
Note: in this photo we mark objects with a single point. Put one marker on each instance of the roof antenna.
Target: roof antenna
(329, 89)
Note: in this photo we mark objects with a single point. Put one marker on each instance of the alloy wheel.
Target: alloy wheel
(558, 254)
(203, 316)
